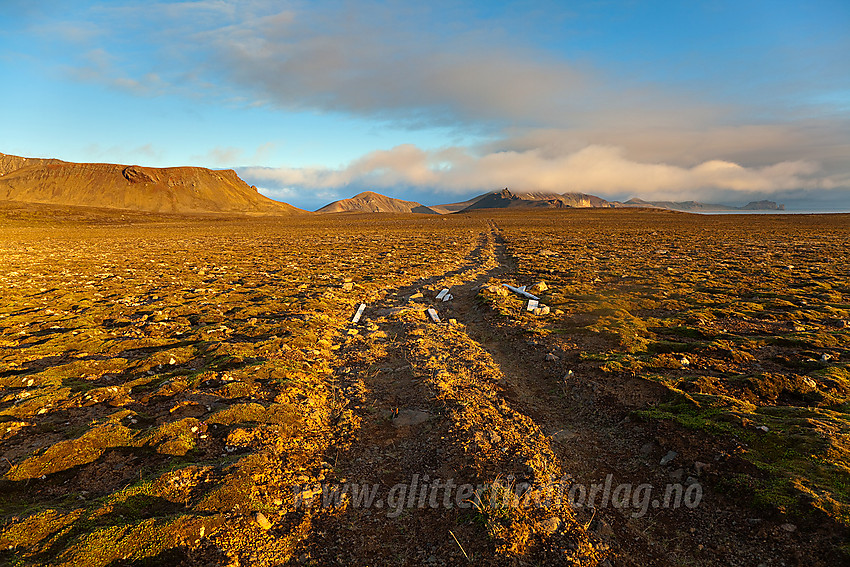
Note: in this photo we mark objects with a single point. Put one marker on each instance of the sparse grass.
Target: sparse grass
(211, 333)
(184, 368)
(751, 312)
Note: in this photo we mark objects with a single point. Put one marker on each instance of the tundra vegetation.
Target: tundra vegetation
(168, 381)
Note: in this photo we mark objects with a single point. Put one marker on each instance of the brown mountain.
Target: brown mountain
(505, 199)
(169, 190)
(371, 202)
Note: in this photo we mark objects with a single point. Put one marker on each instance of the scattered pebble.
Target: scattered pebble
(262, 521)
(666, 459)
(548, 526)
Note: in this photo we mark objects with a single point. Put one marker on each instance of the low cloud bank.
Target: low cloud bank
(601, 170)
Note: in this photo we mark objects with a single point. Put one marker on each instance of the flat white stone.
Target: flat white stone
(359, 313)
(433, 315)
(443, 293)
(532, 304)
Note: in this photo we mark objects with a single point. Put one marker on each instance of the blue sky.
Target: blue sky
(312, 101)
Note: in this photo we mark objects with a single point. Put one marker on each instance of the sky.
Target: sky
(715, 100)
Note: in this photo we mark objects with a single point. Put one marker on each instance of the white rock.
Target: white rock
(359, 313)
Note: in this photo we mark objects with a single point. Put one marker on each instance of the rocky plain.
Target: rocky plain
(188, 389)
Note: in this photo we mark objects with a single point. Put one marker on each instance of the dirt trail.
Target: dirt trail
(478, 401)
(378, 382)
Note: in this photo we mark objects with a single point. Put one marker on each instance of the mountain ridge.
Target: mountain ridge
(511, 199)
(372, 202)
(185, 189)
(192, 189)
(696, 206)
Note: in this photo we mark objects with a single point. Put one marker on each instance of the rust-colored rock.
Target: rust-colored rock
(135, 174)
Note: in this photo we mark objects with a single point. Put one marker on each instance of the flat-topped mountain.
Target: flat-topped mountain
(371, 202)
(696, 206)
(506, 198)
(167, 190)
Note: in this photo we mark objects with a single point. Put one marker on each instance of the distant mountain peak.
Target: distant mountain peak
(506, 198)
(372, 202)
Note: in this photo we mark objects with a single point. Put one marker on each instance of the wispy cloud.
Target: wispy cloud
(102, 67)
(232, 156)
(122, 154)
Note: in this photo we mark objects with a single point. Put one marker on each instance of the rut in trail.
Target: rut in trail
(476, 403)
(430, 411)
